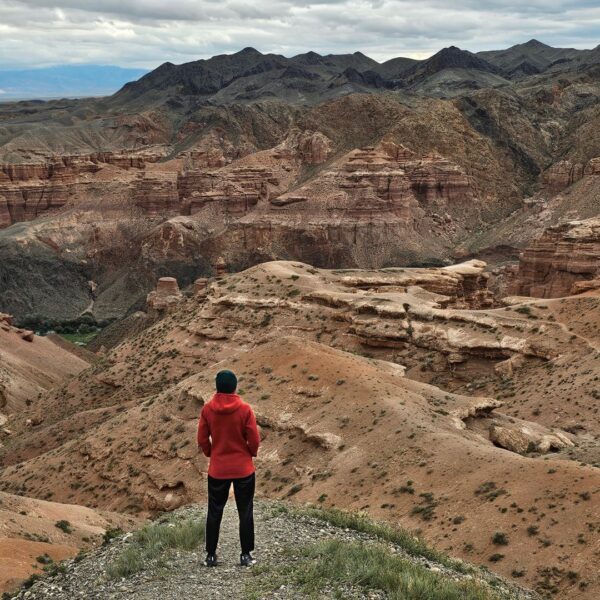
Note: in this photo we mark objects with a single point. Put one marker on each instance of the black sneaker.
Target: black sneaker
(246, 560)
(210, 560)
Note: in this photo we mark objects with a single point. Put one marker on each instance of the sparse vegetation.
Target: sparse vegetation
(149, 543)
(337, 564)
(408, 541)
(111, 534)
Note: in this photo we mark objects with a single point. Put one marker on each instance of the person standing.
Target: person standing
(228, 436)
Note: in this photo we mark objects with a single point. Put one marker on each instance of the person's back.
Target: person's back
(227, 433)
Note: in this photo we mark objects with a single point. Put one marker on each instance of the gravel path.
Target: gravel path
(182, 574)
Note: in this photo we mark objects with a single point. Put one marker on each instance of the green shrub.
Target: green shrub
(111, 534)
(64, 526)
(500, 539)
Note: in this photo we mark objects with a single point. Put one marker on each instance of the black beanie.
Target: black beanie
(226, 382)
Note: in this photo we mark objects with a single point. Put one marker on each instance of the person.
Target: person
(228, 435)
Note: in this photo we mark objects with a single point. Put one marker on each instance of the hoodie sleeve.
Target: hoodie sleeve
(203, 436)
(252, 437)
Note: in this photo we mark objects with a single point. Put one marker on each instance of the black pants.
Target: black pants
(218, 492)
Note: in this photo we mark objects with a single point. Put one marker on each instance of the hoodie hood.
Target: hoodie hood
(224, 404)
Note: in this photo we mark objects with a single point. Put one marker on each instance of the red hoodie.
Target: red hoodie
(227, 433)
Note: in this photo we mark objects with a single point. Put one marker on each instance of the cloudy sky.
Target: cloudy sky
(145, 33)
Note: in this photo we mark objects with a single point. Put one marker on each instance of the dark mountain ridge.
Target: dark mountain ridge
(530, 58)
(309, 78)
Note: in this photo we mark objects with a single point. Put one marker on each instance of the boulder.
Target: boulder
(507, 367)
(27, 336)
(523, 438)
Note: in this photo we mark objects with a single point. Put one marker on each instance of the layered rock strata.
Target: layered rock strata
(164, 298)
(563, 261)
(28, 190)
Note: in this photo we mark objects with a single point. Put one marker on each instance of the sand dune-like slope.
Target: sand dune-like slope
(30, 538)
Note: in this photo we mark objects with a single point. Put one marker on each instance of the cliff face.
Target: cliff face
(561, 175)
(374, 206)
(28, 190)
(563, 261)
(565, 173)
(237, 191)
(120, 220)
(380, 181)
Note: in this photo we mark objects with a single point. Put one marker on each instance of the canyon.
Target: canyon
(400, 260)
(334, 362)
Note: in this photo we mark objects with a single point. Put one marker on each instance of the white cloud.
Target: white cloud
(146, 33)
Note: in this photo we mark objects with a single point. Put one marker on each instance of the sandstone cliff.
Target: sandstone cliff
(563, 261)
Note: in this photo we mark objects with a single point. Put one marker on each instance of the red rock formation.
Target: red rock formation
(156, 194)
(210, 158)
(391, 178)
(579, 287)
(464, 285)
(200, 286)
(27, 190)
(220, 267)
(236, 191)
(592, 167)
(166, 296)
(309, 147)
(556, 263)
(565, 173)
(561, 175)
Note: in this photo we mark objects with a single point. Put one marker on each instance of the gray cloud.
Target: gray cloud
(148, 32)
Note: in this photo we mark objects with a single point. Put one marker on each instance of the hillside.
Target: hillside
(334, 362)
(37, 533)
(30, 365)
(400, 261)
(530, 58)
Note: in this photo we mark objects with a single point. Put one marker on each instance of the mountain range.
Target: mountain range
(249, 74)
(306, 78)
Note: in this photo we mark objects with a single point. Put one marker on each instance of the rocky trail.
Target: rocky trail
(282, 533)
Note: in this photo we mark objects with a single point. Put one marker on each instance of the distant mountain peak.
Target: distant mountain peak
(454, 57)
(248, 50)
(308, 58)
(165, 65)
(533, 43)
(451, 51)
